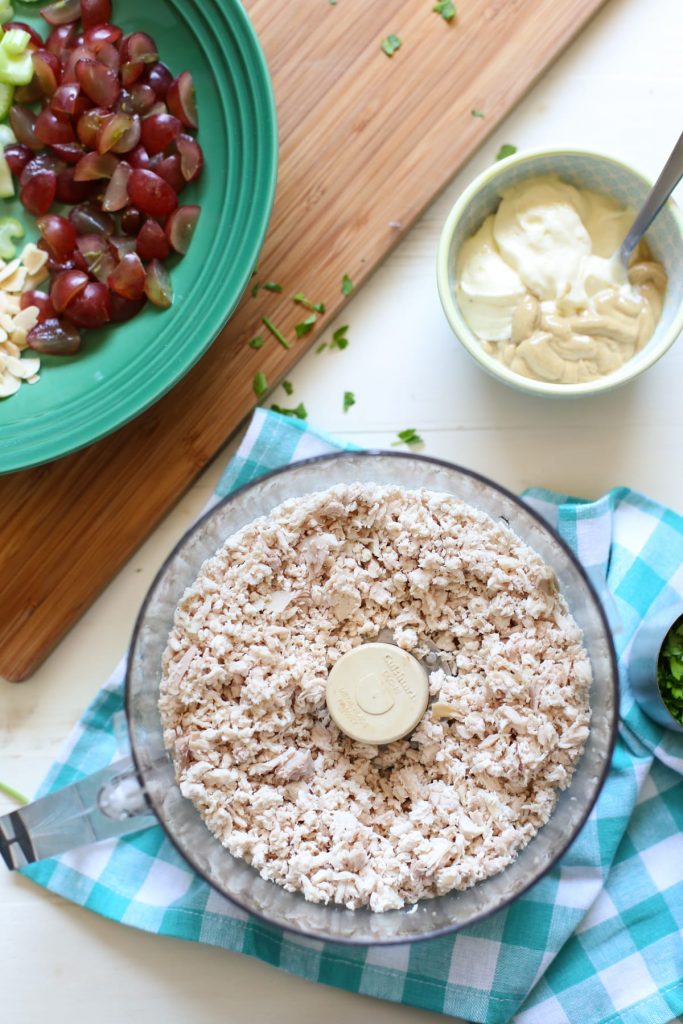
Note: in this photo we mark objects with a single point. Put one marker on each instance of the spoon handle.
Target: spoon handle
(657, 196)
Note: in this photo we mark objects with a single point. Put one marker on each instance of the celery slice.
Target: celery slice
(6, 181)
(6, 97)
(10, 228)
(15, 41)
(15, 70)
(6, 13)
(7, 136)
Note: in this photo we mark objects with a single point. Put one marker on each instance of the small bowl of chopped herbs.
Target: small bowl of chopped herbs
(656, 667)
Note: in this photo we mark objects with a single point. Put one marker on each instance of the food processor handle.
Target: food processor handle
(109, 803)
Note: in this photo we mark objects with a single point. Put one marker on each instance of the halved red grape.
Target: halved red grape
(132, 220)
(100, 34)
(17, 156)
(91, 307)
(159, 131)
(69, 151)
(23, 124)
(124, 309)
(54, 337)
(63, 103)
(109, 55)
(40, 299)
(65, 287)
(121, 245)
(50, 130)
(93, 254)
(59, 235)
(151, 194)
(70, 191)
(98, 82)
(169, 170)
(112, 131)
(30, 93)
(72, 58)
(180, 227)
(160, 78)
(126, 129)
(47, 70)
(181, 99)
(40, 162)
(90, 123)
(60, 39)
(89, 219)
(116, 195)
(38, 194)
(152, 242)
(158, 285)
(191, 157)
(35, 38)
(128, 279)
(63, 12)
(95, 165)
(138, 46)
(95, 12)
(142, 98)
(139, 157)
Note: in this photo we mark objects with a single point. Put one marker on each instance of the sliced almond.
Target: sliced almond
(9, 385)
(8, 270)
(26, 319)
(11, 349)
(16, 281)
(23, 368)
(33, 258)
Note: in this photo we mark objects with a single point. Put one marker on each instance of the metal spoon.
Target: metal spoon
(654, 201)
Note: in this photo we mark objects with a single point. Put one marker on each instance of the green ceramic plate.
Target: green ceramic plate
(123, 369)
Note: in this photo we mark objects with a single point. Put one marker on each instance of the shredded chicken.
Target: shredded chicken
(243, 695)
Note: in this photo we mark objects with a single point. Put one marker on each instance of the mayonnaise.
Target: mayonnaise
(540, 285)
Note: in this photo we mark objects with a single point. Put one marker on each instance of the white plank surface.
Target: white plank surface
(617, 89)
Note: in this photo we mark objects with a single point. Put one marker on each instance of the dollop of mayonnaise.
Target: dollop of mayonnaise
(539, 283)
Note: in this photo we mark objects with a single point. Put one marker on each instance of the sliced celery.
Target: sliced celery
(6, 97)
(10, 228)
(6, 182)
(15, 70)
(6, 13)
(7, 136)
(15, 41)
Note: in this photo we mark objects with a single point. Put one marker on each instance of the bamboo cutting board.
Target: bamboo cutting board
(366, 142)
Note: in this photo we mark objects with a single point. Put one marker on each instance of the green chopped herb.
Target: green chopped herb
(349, 400)
(347, 285)
(317, 307)
(306, 326)
(446, 8)
(275, 332)
(506, 150)
(390, 45)
(288, 386)
(254, 289)
(339, 339)
(272, 286)
(300, 411)
(670, 670)
(409, 436)
(321, 348)
(257, 342)
(477, 113)
(332, 2)
(13, 794)
(260, 384)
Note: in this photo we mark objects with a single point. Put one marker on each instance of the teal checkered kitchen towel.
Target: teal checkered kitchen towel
(599, 939)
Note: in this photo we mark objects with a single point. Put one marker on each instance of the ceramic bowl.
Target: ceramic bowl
(647, 643)
(584, 170)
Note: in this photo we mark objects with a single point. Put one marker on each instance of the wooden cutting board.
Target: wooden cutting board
(366, 142)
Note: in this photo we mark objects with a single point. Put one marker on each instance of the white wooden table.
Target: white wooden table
(617, 89)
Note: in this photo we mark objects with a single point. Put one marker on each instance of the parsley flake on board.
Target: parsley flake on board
(409, 436)
(254, 289)
(260, 384)
(321, 348)
(316, 307)
(349, 400)
(446, 8)
(506, 150)
(257, 342)
(391, 44)
(670, 671)
(306, 326)
(477, 113)
(275, 332)
(300, 411)
(339, 339)
(272, 286)
(347, 285)
(288, 387)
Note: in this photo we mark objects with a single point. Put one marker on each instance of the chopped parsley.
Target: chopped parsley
(275, 332)
(13, 794)
(306, 326)
(339, 339)
(390, 45)
(477, 113)
(257, 342)
(260, 384)
(670, 670)
(347, 285)
(288, 387)
(300, 411)
(321, 348)
(409, 436)
(316, 307)
(506, 150)
(272, 286)
(446, 8)
(254, 289)
(349, 400)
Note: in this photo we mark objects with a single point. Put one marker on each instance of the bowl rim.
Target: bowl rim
(371, 453)
(473, 345)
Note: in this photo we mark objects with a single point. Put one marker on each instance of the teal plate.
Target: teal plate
(123, 369)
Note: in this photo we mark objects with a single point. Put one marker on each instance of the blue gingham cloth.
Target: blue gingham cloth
(597, 940)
